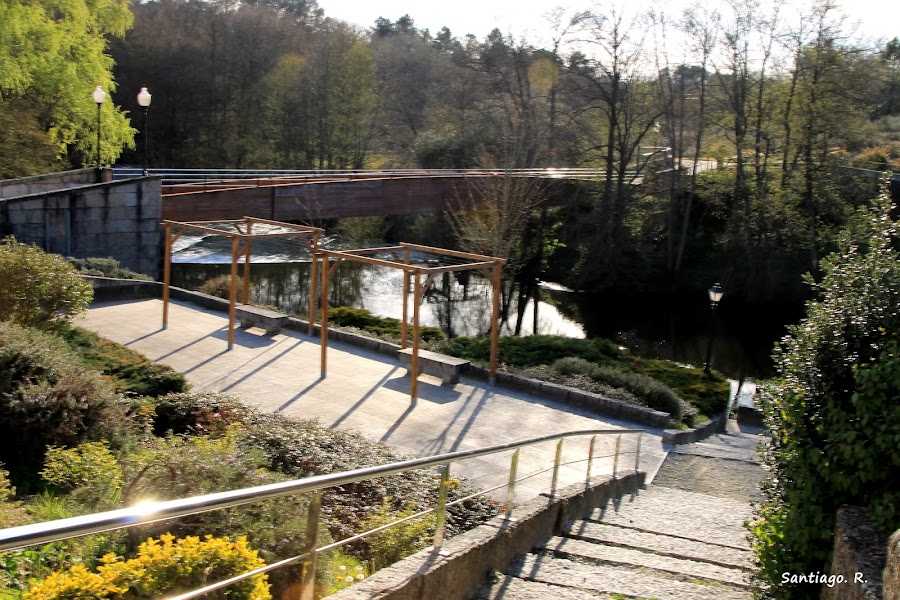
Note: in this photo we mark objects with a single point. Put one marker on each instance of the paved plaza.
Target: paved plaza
(369, 392)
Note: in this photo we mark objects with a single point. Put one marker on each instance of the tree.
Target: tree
(52, 55)
(834, 412)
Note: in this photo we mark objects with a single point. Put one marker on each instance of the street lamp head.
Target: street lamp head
(98, 95)
(143, 97)
(715, 294)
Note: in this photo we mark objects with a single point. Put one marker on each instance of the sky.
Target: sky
(877, 18)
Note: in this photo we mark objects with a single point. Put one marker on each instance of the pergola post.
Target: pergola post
(403, 324)
(246, 290)
(323, 326)
(414, 359)
(167, 276)
(495, 319)
(232, 294)
(313, 291)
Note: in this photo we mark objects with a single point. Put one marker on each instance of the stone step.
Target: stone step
(618, 580)
(602, 533)
(615, 555)
(670, 511)
(513, 588)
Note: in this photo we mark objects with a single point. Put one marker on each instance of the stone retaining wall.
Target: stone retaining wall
(860, 558)
(117, 219)
(474, 555)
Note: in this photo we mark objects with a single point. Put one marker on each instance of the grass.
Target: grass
(129, 371)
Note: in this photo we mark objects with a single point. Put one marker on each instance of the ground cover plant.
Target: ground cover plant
(600, 366)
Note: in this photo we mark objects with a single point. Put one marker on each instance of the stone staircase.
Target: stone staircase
(661, 543)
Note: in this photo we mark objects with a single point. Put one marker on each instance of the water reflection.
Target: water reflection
(460, 304)
(674, 328)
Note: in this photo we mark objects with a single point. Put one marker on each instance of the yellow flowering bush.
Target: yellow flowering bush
(162, 566)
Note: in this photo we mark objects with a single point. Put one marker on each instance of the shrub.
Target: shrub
(346, 316)
(199, 413)
(834, 412)
(89, 469)
(105, 267)
(162, 567)
(39, 289)
(650, 392)
(396, 543)
(533, 349)
(48, 398)
(220, 286)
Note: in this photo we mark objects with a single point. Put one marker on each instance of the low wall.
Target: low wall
(118, 219)
(24, 186)
(860, 559)
(475, 554)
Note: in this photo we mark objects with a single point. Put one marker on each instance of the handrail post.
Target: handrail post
(590, 461)
(308, 579)
(511, 486)
(637, 453)
(616, 458)
(441, 512)
(559, 447)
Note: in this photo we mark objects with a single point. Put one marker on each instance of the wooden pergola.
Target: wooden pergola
(439, 261)
(242, 236)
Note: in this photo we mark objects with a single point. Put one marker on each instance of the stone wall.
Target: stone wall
(24, 186)
(118, 219)
(860, 558)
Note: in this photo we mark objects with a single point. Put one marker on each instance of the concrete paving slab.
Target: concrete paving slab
(367, 392)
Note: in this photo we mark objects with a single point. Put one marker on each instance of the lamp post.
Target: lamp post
(715, 296)
(143, 99)
(98, 96)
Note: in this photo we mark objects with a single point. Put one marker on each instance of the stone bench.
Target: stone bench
(445, 367)
(269, 320)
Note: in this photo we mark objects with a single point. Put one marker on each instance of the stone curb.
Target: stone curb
(689, 436)
(490, 547)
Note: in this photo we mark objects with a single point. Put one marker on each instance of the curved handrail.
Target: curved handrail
(23, 536)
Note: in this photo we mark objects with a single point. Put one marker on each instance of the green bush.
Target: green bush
(396, 543)
(361, 318)
(89, 470)
(199, 413)
(105, 267)
(130, 371)
(162, 567)
(533, 350)
(220, 286)
(39, 289)
(650, 392)
(833, 412)
(48, 398)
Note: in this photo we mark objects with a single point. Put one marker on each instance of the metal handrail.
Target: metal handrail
(219, 176)
(15, 538)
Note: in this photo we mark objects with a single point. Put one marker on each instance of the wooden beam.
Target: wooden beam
(457, 253)
(323, 327)
(414, 358)
(246, 287)
(313, 292)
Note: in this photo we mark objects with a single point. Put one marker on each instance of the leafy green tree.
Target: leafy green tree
(53, 54)
(834, 413)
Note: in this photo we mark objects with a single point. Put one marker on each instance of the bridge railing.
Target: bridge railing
(43, 533)
(230, 177)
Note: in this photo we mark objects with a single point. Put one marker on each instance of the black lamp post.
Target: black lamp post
(715, 296)
(99, 96)
(143, 99)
